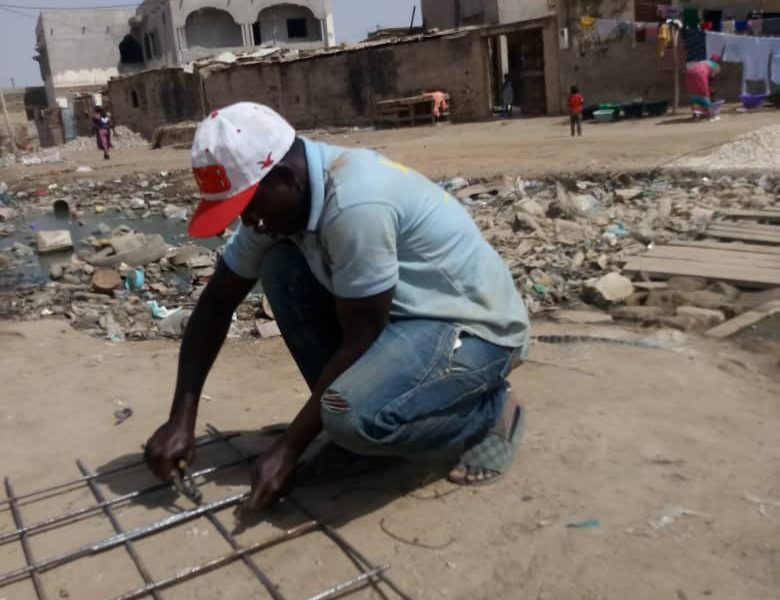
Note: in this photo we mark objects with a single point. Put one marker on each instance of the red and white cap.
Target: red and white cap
(233, 150)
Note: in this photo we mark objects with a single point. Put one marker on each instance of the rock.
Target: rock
(645, 235)
(102, 230)
(137, 203)
(707, 299)
(580, 317)
(610, 289)
(568, 232)
(628, 194)
(640, 314)
(700, 217)
(525, 223)
(729, 291)
(7, 214)
(578, 260)
(151, 250)
(56, 271)
(687, 284)
(5, 261)
(127, 242)
(664, 210)
(105, 281)
(22, 250)
(175, 323)
(602, 262)
(524, 248)
(171, 211)
(269, 329)
(113, 330)
(533, 208)
(668, 300)
(53, 241)
(702, 318)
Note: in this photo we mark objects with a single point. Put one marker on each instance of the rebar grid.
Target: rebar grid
(370, 574)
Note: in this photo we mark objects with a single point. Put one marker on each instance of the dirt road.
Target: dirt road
(674, 452)
(631, 437)
(527, 147)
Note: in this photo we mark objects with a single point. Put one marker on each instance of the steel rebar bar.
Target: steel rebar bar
(191, 572)
(36, 577)
(142, 570)
(117, 540)
(73, 482)
(360, 561)
(350, 585)
(87, 510)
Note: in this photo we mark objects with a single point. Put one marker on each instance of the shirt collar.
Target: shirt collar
(316, 168)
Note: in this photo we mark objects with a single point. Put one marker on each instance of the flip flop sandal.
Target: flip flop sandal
(494, 453)
(332, 462)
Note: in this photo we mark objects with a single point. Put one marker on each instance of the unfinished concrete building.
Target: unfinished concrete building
(169, 33)
(78, 51)
(543, 48)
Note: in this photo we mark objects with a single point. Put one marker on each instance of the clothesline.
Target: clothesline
(760, 56)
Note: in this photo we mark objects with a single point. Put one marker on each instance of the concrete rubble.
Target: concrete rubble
(565, 241)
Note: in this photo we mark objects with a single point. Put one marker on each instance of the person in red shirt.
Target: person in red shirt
(576, 102)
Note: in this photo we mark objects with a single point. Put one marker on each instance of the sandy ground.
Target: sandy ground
(526, 147)
(623, 435)
(668, 449)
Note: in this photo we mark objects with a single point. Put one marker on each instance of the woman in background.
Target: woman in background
(698, 80)
(102, 125)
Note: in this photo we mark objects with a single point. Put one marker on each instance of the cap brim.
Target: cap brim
(212, 218)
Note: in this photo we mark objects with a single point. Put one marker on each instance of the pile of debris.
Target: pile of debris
(569, 240)
(617, 247)
(122, 137)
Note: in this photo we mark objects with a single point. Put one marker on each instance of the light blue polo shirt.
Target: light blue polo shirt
(376, 224)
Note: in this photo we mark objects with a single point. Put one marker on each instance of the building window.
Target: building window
(257, 37)
(297, 28)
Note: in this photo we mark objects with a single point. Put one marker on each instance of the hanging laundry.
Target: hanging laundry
(729, 27)
(775, 67)
(691, 18)
(756, 26)
(695, 44)
(664, 38)
(640, 32)
(587, 22)
(756, 53)
(606, 28)
(740, 26)
(725, 45)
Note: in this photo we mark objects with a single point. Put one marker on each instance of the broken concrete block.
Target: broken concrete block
(269, 329)
(580, 317)
(639, 314)
(175, 323)
(569, 232)
(610, 289)
(56, 271)
(53, 241)
(703, 318)
(186, 253)
(105, 281)
(628, 194)
(7, 214)
(686, 284)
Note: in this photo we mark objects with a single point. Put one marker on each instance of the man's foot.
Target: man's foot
(488, 460)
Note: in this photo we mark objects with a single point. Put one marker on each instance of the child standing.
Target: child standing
(576, 103)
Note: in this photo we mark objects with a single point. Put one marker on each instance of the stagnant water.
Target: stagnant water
(33, 270)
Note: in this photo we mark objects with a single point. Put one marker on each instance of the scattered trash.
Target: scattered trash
(123, 414)
(589, 524)
(49, 242)
(135, 280)
(84, 169)
(175, 322)
(158, 312)
(671, 513)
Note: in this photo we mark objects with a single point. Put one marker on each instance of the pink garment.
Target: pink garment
(697, 79)
(104, 139)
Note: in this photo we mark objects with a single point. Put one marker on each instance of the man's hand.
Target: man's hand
(272, 478)
(169, 445)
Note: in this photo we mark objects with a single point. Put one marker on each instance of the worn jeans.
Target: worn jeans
(423, 386)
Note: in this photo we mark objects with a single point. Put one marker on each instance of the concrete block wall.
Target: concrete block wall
(150, 99)
(342, 89)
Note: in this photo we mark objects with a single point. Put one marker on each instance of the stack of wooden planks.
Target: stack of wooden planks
(414, 110)
(750, 258)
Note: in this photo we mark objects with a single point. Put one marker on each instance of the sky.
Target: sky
(353, 19)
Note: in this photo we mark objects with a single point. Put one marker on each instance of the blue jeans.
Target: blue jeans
(411, 393)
